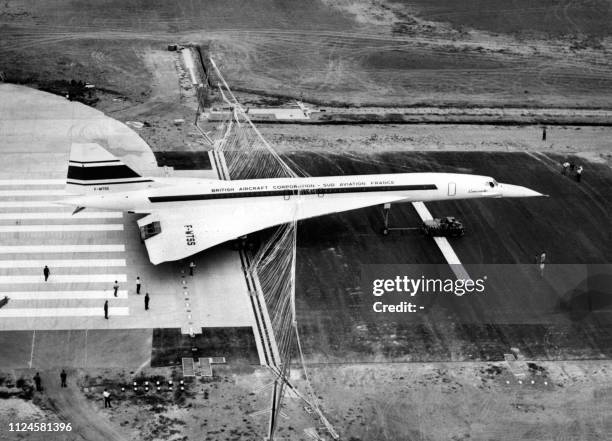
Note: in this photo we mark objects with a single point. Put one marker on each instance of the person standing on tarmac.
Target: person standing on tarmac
(579, 173)
(106, 395)
(38, 382)
(542, 263)
(565, 168)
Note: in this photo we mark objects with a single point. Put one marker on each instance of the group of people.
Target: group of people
(147, 298)
(569, 169)
(63, 377)
(38, 380)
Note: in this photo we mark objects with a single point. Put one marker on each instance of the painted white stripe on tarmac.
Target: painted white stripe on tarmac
(19, 249)
(73, 227)
(27, 182)
(62, 312)
(422, 211)
(64, 263)
(447, 250)
(61, 295)
(12, 193)
(64, 215)
(63, 278)
(445, 247)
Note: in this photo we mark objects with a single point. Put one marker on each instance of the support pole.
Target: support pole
(272, 426)
(386, 210)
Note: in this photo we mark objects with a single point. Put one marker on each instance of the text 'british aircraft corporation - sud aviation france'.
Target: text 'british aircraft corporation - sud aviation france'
(188, 215)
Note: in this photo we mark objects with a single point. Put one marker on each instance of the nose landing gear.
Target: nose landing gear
(386, 228)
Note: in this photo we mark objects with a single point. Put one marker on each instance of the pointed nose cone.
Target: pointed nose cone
(516, 191)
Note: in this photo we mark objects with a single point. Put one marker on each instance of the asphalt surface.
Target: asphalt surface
(565, 314)
(75, 348)
(236, 344)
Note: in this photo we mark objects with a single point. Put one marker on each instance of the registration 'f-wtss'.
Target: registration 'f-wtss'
(188, 215)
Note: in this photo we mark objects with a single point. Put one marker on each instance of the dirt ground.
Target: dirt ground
(433, 401)
(468, 401)
(357, 52)
(592, 143)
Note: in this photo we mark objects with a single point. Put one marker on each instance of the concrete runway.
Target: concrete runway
(87, 252)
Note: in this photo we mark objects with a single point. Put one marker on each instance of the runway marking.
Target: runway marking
(18, 249)
(61, 295)
(62, 278)
(64, 215)
(85, 361)
(34, 193)
(63, 312)
(145, 364)
(69, 227)
(32, 181)
(266, 343)
(422, 211)
(445, 247)
(32, 351)
(447, 250)
(61, 263)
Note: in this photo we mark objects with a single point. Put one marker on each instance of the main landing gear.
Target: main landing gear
(386, 228)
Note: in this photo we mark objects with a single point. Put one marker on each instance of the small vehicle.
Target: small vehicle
(445, 227)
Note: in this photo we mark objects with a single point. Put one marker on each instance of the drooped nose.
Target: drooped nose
(516, 191)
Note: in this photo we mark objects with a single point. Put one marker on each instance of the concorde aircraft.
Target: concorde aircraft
(188, 215)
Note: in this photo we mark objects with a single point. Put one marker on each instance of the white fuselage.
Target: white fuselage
(186, 216)
(170, 193)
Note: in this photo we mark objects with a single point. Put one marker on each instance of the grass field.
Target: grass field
(357, 52)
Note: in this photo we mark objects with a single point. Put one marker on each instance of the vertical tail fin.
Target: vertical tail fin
(91, 168)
